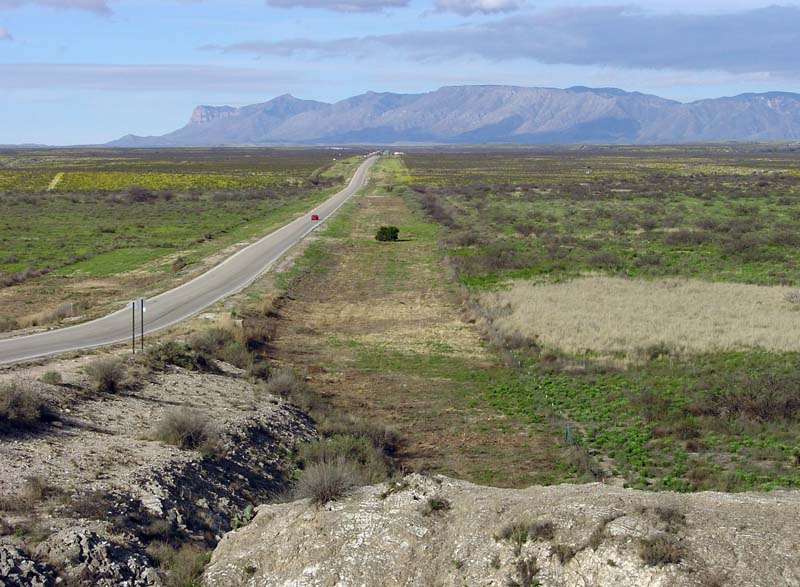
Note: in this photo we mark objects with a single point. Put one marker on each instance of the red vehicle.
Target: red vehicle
(315, 217)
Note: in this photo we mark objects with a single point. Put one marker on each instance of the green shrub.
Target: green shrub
(387, 233)
(235, 354)
(22, 407)
(328, 481)
(383, 438)
(188, 429)
(107, 375)
(52, 378)
(183, 566)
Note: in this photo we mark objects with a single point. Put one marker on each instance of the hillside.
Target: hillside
(489, 114)
(427, 531)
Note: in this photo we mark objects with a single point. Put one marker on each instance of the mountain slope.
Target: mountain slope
(477, 114)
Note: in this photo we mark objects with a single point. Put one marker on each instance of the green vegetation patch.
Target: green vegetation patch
(667, 420)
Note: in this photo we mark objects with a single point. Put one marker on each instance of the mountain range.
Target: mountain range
(489, 114)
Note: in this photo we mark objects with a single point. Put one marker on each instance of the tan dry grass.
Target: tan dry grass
(609, 315)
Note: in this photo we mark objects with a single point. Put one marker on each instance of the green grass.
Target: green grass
(543, 217)
(193, 201)
(654, 421)
(116, 261)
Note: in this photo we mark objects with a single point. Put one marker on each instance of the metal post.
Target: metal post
(141, 321)
(133, 327)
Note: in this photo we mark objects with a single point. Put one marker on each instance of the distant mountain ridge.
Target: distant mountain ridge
(490, 114)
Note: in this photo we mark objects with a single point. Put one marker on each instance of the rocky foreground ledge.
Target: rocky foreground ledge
(430, 532)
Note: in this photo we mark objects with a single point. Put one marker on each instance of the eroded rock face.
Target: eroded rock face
(18, 569)
(440, 532)
(88, 557)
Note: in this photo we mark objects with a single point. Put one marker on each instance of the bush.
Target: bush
(179, 264)
(686, 237)
(370, 462)
(183, 566)
(8, 323)
(212, 341)
(107, 375)
(661, 550)
(767, 398)
(436, 504)
(387, 233)
(188, 429)
(22, 408)
(384, 439)
(259, 370)
(52, 378)
(174, 353)
(285, 383)
(328, 481)
(516, 533)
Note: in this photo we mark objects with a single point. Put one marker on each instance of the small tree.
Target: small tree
(387, 233)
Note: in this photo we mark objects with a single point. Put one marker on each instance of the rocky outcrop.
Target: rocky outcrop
(18, 569)
(86, 556)
(204, 114)
(439, 532)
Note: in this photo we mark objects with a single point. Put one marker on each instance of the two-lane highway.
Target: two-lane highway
(170, 307)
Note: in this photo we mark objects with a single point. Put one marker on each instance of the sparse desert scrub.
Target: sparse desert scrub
(285, 383)
(371, 463)
(52, 378)
(183, 565)
(189, 429)
(180, 355)
(52, 315)
(107, 375)
(328, 481)
(8, 323)
(22, 408)
(660, 550)
(607, 315)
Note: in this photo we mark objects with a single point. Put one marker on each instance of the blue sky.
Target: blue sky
(88, 71)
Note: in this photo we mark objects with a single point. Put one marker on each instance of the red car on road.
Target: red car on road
(315, 217)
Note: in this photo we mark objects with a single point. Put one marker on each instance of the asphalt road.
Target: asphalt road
(170, 307)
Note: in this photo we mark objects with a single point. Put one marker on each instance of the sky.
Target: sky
(90, 71)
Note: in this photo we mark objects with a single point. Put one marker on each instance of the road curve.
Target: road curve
(170, 307)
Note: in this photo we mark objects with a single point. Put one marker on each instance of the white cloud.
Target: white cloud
(341, 5)
(5, 35)
(467, 7)
(765, 40)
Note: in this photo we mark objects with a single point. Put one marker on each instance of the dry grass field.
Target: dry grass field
(612, 316)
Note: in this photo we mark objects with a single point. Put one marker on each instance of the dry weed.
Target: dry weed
(646, 319)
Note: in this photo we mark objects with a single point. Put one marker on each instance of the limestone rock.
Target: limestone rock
(431, 532)
(18, 569)
(86, 556)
